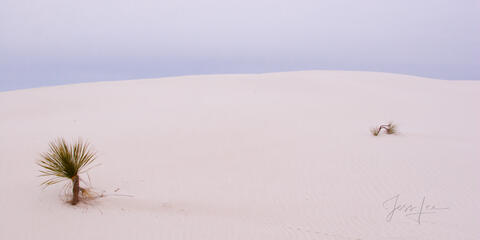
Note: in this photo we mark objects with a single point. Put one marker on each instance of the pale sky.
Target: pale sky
(52, 42)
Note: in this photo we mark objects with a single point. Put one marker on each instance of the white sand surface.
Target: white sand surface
(267, 156)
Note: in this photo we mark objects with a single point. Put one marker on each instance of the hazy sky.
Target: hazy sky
(52, 42)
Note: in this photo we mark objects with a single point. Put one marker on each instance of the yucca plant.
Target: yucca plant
(66, 161)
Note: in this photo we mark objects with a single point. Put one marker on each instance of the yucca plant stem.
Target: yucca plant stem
(76, 189)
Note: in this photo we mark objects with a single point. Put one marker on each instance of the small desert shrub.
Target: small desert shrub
(389, 128)
(66, 161)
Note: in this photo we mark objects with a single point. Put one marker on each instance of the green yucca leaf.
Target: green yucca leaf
(63, 161)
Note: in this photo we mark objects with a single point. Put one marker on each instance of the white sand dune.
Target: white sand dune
(268, 156)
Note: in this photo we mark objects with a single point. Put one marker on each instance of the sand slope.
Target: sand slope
(269, 156)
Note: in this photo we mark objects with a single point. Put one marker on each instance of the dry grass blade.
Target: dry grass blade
(375, 131)
(392, 128)
(389, 128)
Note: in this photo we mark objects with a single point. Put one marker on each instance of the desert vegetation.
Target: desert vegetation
(64, 162)
(389, 128)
